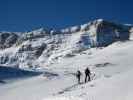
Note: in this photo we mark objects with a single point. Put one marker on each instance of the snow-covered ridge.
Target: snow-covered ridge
(43, 47)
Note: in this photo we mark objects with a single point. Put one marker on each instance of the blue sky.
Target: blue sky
(25, 15)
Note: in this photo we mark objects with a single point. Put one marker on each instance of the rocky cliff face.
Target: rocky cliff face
(44, 47)
(7, 39)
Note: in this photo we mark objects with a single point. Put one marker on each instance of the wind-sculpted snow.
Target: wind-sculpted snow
(43, 47)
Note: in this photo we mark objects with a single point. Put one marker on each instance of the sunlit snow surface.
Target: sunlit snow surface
(112, 66)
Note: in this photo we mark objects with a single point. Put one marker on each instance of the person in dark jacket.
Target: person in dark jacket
(78, 75)
(87, 75)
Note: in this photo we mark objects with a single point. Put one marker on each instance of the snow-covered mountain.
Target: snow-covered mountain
(43, 47)
(105, 47)
(111, 78)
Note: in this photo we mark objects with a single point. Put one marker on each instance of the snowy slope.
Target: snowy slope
(115, 88)
(113, 80)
